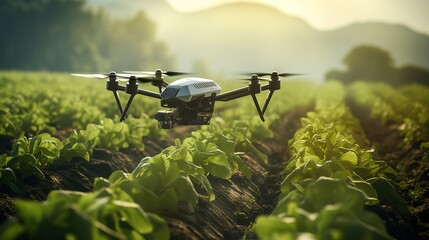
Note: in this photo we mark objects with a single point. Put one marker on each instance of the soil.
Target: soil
(413, 176)
(238, 200)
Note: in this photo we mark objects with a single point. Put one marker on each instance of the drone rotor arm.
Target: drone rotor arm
(234, 94)
(149, 93)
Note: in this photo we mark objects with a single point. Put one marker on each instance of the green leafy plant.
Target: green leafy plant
(80, 144)
(327, 208)
(7, 126)
(232, 140)
(75, 215)
(7, 175)
(155, 188)
(113, 135)
(28, 155)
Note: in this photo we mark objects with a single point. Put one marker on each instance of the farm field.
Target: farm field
(331, 162)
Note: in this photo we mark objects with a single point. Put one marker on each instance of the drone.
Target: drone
(191, 100)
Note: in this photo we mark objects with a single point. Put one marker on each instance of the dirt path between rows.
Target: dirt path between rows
(413, 176)
(240, 200)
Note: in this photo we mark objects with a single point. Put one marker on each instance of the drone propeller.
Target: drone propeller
(255, 87)
(112, 75)
(111, 85)
(99, 76)
(261, 74)
(159, 73)
(140, 78)
(259, 78)
(273, 76)
(156, 78)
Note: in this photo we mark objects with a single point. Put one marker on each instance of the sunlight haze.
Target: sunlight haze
(330, 14)
(308, 36)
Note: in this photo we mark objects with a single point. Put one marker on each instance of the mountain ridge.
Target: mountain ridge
(251, 36)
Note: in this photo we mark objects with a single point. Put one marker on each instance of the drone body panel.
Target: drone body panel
(188, 89)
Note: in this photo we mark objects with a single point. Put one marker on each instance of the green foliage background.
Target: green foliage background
(63, 35)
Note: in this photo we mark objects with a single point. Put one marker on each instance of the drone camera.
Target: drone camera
(165, 119)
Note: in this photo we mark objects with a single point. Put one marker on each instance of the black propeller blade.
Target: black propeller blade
(159, 73)
(261, 74)
(250, 79)
(172, 74)
(289, 74)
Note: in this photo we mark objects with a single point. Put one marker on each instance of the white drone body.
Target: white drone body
(190, 89)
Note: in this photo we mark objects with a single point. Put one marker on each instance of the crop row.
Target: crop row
(30, 155)
(330, 178)
(416, 92)
(410, 112)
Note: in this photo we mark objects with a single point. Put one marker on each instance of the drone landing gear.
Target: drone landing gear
(118, 101)
(258, 108)
(132, 89)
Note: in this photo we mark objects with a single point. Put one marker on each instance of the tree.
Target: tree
(62, 35)
(132, 44)
(369, 63)
(413, 74)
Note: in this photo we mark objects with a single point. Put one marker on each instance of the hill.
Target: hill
(249, 36)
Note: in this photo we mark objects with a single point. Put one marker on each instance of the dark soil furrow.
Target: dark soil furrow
(413, 176)
(240, 200)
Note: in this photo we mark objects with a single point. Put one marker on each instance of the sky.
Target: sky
(331, 14)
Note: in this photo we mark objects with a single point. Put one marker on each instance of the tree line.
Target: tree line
(370, 63)
(63, 35)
